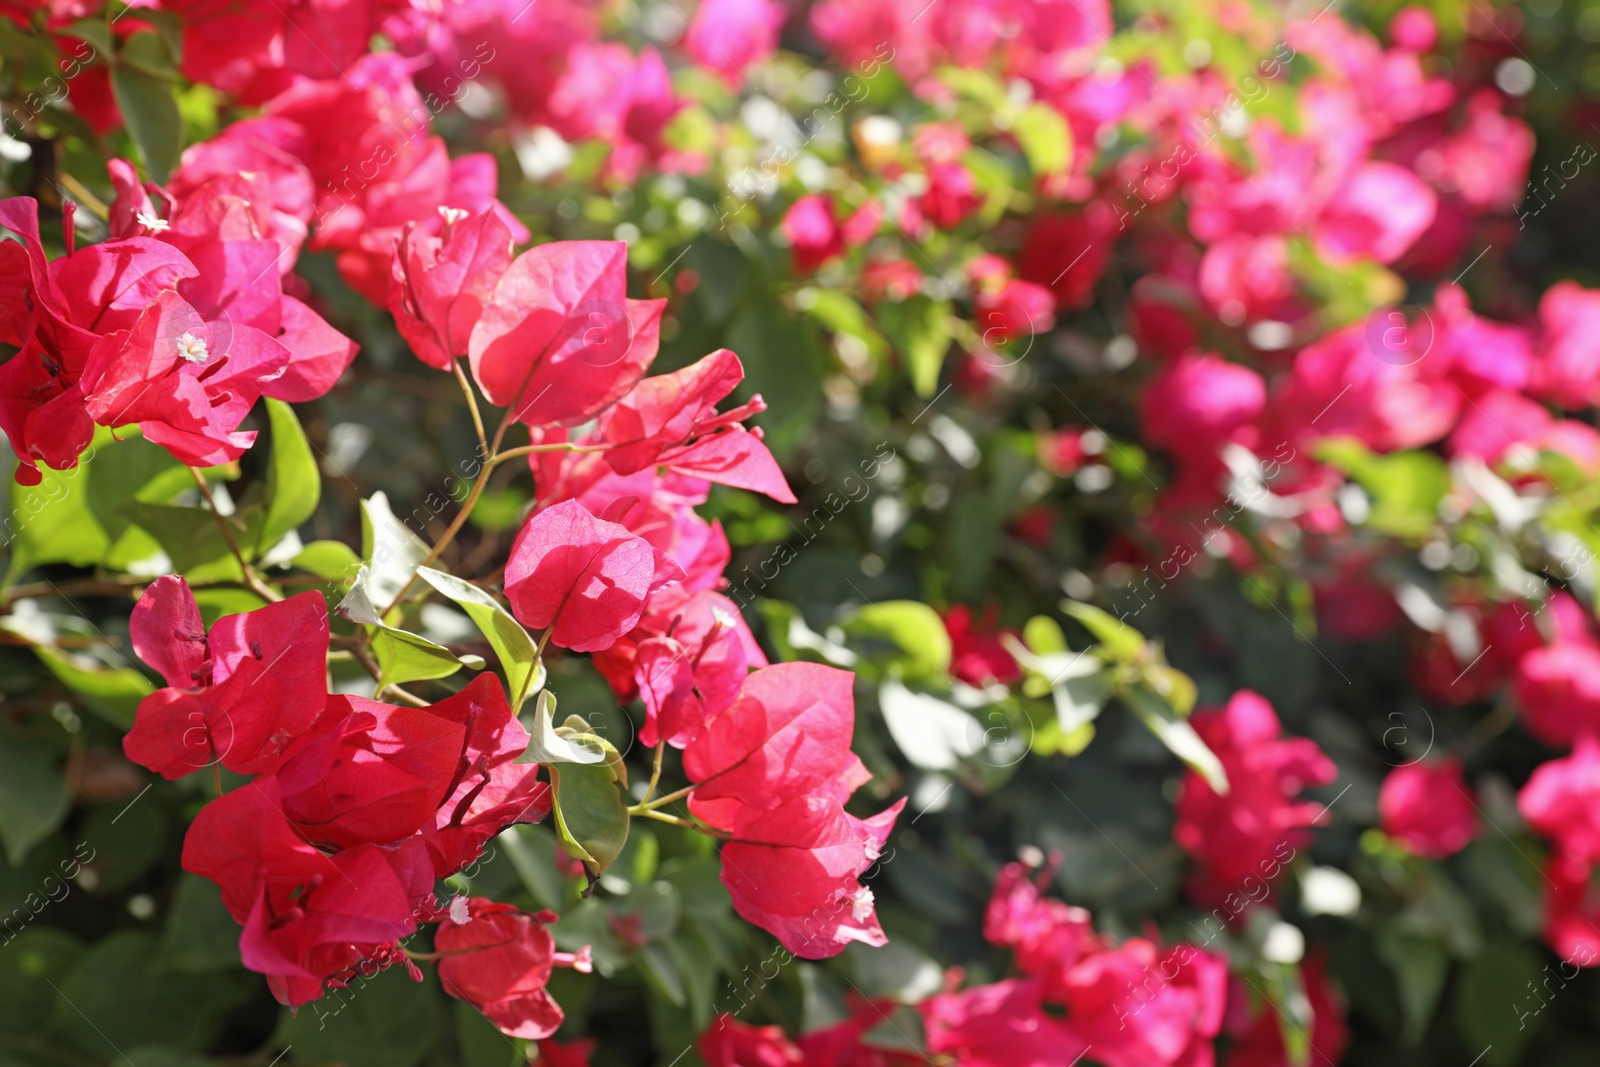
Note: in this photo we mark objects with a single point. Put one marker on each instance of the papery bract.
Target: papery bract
(586, 579)
(499, 961)
(237, 696)
(558, 340)
(1426, 807)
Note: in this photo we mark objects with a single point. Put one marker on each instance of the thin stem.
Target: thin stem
(643, 808)
(689, 824)
(554, 446)
(95, 205)
(449, 534)
(216, 777)
(472, 405)
(655, 773)
(251, 579)
(1487, 728)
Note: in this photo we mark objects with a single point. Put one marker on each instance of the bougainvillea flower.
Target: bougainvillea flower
(1197, 402)
(728, 35)
(785, 737)
(586, 579)
(1123, 1003)
(728, 1042)
(1003, 1024)
(489, 790)
(308, 917)
(1558, 692)
(1562, 801)
(269, 149)
(500, 960)
(1257, 1028)
(372, 773)
(439, 284)
(1378, 213)
(558, 340)
(795, 872)
(1571, 910)
(237, 696)
(187, 382)
(718, 649)
(813, 234)
(976, 655)
(1252, 831)
(671, 420)
(1568, 366)
(1427, 808)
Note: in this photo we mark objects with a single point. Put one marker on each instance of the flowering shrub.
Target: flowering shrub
(1171, 427)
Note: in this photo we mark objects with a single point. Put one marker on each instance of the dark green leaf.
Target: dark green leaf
(151, 114)
(920, 330)
(517, 651)
(384, 1021)
(293, 484)
(116, 998)
(33, 796)
(590, 815)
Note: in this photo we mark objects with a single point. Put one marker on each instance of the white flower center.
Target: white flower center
(458, 911)
(452, 215)
(193, 348)
(150, 222)
(861, 905)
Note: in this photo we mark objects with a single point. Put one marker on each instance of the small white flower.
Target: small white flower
(193, 348)
(152, 223)
(458, 911)
(452, 215)
(861, 905)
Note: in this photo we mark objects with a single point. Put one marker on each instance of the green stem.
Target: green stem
(251, 579)
(644, 807)
(472, 405)
(673, 820)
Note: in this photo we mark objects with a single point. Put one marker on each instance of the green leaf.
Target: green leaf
(590, 815)
(548, 745)
(148, 52)
(402, 656)
(29, 962)
(1500, 1000)
(333, 561)
(1406, 487)
(914, 628)
(293, 484)
(191, 538)
(1043, 636)
(532, 851)
(1420, 966)
(920, 329)
(93, 30)
(116, 998)
(112, 693)
(1045, 138)
(1174, 731)
(518, 652)
(200, 936)
(1121, 641)
(407, 657)
(659, 969)
(33, 796)
(151, 114)
(52, 523)
(128, 839)
(481, 1042)
(384, 1021)
(842, 315)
